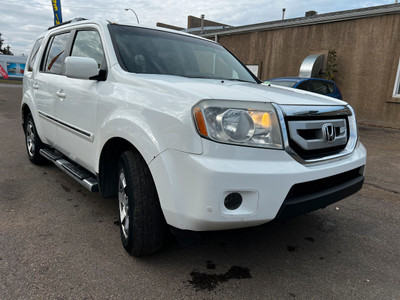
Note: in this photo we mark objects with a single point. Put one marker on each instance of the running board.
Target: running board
(75, 171)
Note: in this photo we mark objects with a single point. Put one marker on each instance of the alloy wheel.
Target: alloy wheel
(123, 204)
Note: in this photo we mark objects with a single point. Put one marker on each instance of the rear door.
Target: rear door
(45, 81)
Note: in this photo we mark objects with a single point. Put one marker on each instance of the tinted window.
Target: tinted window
(34, 53)
(56, 54)
(330, 87)
(88, 44)
(150, 51)
(303, 86)
(320, 87)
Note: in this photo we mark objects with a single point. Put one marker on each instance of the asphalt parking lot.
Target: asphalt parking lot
(59, 241)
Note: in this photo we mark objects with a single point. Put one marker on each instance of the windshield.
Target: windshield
(148, 51)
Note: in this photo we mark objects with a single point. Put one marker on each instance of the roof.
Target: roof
(312, 20)
(100, 22)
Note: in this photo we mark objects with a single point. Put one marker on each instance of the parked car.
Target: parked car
(315, 85)
(180, 132)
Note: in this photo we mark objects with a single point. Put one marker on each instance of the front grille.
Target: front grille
(308, 137)
(317, 133)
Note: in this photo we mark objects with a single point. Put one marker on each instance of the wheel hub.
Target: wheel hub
(30, 138)
(123, 204)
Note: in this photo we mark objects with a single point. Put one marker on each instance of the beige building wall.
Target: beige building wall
(368, 52)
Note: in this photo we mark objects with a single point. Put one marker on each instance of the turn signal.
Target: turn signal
(201, 123)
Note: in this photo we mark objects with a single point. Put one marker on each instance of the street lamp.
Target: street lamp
(126, 9)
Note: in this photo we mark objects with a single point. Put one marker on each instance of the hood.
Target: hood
(198, 89)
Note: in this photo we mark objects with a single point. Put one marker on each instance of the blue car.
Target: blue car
(315, 85)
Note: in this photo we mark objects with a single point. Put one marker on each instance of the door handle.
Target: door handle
(61, 94)
(35, 86)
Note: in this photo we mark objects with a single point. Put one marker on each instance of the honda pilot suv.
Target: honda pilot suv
(181, 132)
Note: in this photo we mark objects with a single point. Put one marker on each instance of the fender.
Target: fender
(131, 123)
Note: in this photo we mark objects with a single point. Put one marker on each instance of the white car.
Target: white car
(181, 132)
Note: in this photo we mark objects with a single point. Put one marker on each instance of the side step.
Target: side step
(75, 171)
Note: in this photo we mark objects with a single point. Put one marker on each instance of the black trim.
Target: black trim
(66, 125)
(67, 22)
(309, 196)
(101, 77)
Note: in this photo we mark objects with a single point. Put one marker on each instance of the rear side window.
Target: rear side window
(88, 44)
(56, 53)
(34, 53)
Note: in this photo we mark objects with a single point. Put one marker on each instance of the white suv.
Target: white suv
(181, 132)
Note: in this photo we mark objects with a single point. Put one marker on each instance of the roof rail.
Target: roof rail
(67, 22)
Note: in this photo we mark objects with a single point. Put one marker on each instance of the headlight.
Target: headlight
(241, 123)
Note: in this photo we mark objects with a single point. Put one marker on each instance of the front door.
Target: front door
(76, 109)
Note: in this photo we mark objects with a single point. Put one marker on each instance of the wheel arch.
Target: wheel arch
(108, 165)
(25, 111)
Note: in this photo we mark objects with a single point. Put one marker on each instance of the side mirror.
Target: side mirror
(81, 67)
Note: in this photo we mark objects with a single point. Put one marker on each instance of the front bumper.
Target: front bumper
(192, 188)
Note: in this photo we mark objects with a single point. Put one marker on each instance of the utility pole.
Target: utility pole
(202, 23)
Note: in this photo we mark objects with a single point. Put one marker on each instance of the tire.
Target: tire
(142, 222)
(33, 142)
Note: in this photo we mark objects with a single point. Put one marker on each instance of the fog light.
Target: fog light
(233, 201)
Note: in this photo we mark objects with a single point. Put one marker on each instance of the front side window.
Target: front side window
(56, 53)
(34, 53)
(330, 87)
(88, 44)
(303, 86)
(148, 51)
(319, 87)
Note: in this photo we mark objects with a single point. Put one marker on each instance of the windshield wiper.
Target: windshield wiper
(217, 78)
(237, 79)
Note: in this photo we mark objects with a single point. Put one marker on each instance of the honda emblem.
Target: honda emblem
(329, 132)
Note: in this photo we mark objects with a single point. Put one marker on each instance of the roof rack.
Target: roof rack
(68, 22)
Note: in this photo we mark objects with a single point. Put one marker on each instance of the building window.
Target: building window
(396, 90)
(253, 69)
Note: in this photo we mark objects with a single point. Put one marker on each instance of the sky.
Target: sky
(21, 21)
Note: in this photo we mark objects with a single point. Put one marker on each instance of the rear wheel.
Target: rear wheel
(142, 223)
(33, 142)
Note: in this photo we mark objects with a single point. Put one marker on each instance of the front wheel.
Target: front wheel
(142, 223)
(33, 142)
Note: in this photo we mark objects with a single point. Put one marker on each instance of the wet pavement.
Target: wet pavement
(59, 241)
